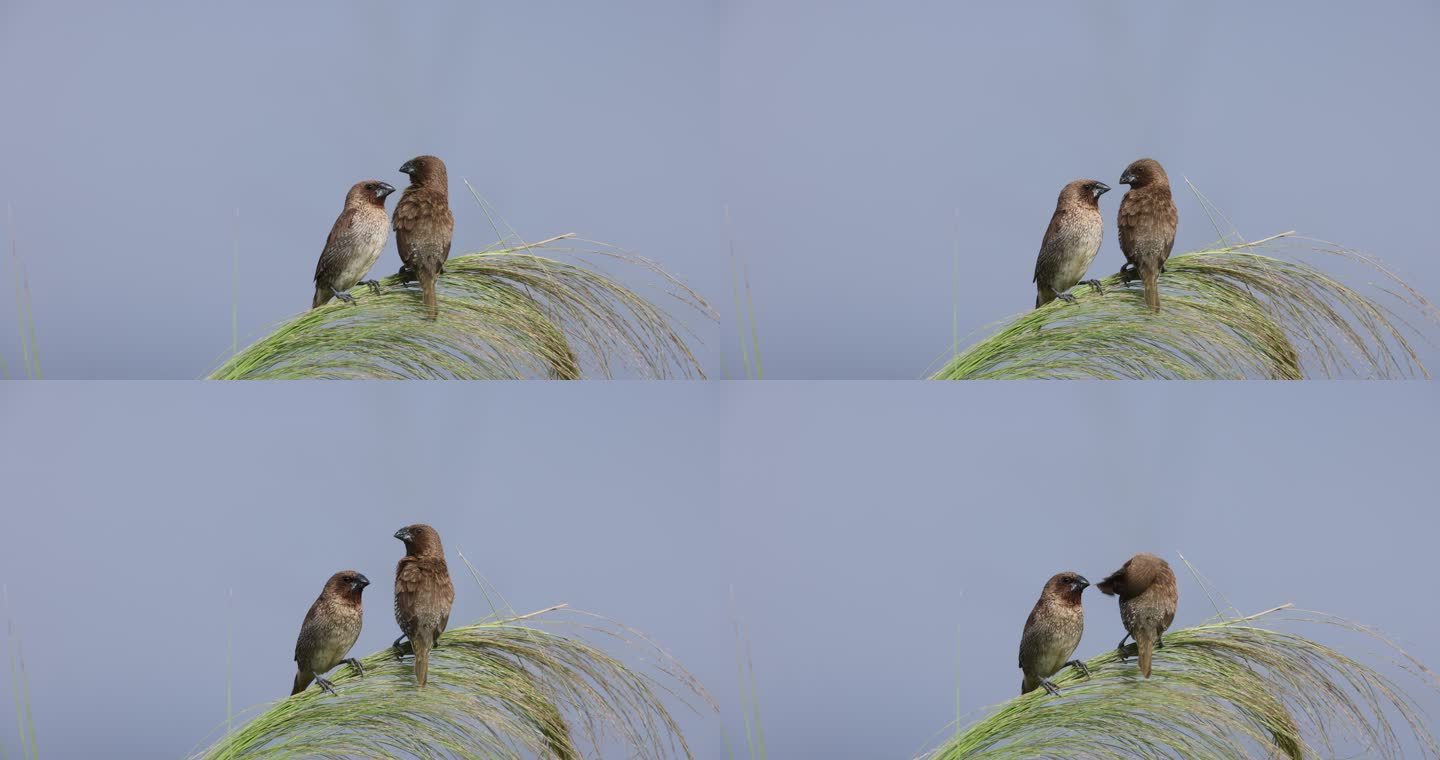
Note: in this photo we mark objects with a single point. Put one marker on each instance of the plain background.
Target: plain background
(858, 146)
(877, 538)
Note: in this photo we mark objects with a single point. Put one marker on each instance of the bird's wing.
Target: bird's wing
(421, 209)
(1127, 222)
(409, 585)
(423, 596)
(1146, 225)
(446, 598)
(339, 242)
(423, 220)
(308, 629)
(1050, 248)
(1172, 222)
(1029, 638)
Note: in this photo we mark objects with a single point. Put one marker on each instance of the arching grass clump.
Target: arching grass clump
(504, 314)
(1232, 689)
(1228, 312)
(500, 689)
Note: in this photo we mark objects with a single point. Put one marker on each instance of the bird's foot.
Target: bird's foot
(1050, 687)
(1128, 274)
(354, 663)
(324, 684)
(346, 297)
(373, 285)
(406, 274)
(1066, 297)
(1096, 284)
(399, 650)
(1120, 648)
(1080, 666)
(1159, 642)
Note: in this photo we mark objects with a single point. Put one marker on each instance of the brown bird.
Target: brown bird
(1148, 598)
(424, 225)
(1147, 225)
(330, 629)
(1071, 242)
(1052, 632)
(423, 594)
(354, 244)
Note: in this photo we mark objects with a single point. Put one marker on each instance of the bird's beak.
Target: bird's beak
(403, 534)
(383, 190)
(407, 167)
(1127, 178)
(1081, 584)
(362, 583)
(1101, 188)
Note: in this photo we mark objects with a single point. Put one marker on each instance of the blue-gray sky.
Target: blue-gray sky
(875, 535)
(133, 136)
(856, 144)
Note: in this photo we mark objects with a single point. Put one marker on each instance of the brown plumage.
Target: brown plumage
(1071, 242)
(354, 244)
(330, 629)
(423, 594)
(1147, 225)
(1052, 632)
(424, 225)
(1148, 599)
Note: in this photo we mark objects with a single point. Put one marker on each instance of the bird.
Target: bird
(1071, 242)
(330, 629)
(1148, 600)
(424, 226)
(423, 594)
(1146, 224)
(354, 244)
(1052, 632)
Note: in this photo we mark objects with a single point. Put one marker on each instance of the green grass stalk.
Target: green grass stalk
(504, 314)
(502, 688)
(1229, 312)
(1231, 689)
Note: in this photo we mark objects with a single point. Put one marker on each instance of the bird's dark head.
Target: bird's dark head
(1144, 171)
(370, 192)
(1067, 586)
(420, 540)
(426, 170)
(347, 583)
(1085, 192)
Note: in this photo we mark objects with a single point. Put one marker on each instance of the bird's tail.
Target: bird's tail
(1028, 684)
(1150, 275)
(1145, 644)
(322, 297)
(302, 679)
(427, 273)
(1040, 299)
(422, 660)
